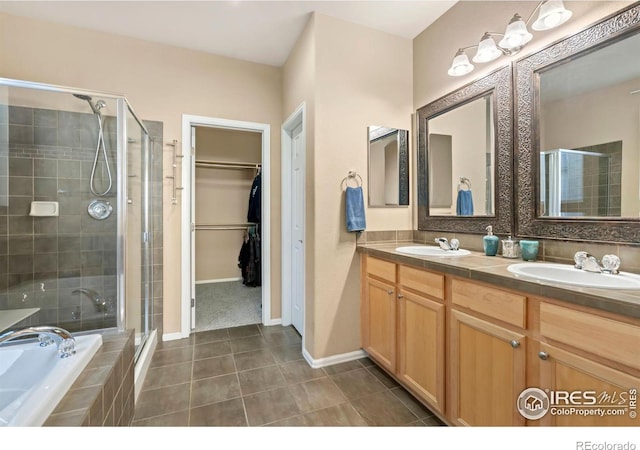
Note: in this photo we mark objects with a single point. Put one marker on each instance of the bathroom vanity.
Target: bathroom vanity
(467, 337)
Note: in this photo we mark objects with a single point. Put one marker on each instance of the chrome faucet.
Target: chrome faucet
(446, 245)
(589, 263)
(47, 335)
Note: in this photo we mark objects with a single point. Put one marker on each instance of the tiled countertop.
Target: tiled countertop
(493, 270)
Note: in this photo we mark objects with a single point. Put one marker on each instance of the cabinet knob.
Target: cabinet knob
(390, 292)
(515, 344)
(400, 296)
(543, 356)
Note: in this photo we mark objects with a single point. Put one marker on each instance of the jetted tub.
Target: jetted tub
(34, 379)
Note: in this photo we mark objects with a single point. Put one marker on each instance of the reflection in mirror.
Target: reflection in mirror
(577, 135)
(460, 155)
(388, 167)
(589, 162)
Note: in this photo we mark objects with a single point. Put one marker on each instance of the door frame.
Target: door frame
(188, 204)
(293, 121)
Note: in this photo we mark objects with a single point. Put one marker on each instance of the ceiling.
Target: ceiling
(258, 31)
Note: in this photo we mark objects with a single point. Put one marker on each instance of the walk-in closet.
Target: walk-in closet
(228, 253)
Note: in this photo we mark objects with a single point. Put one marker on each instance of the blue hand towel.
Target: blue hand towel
(464, 204)
(355, 209)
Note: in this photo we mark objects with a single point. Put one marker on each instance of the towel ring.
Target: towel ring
(464, 181)
(353, 175)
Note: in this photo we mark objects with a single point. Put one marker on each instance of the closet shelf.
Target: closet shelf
(228, 164)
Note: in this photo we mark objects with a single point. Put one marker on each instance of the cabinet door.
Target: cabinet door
(421, 344)
(487, 372)
(379, 323)
(612, 391)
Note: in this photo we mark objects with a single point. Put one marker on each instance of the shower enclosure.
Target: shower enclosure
(77, 174)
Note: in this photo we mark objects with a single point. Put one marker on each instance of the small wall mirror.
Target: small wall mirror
(388, 167)
(578, 135)
(465, 158)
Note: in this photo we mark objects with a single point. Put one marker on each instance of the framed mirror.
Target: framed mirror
(578, 135)
(465, 158)
(388, 167)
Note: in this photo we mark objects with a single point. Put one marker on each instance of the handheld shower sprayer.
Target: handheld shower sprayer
(96, 107)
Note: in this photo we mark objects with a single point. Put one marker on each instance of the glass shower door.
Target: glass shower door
(137, 237)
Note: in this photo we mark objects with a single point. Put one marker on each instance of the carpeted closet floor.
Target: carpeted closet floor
(228, 304)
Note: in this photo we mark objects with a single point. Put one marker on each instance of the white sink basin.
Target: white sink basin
(430, 250)
(566, 274)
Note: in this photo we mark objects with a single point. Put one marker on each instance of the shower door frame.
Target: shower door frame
(122, 105)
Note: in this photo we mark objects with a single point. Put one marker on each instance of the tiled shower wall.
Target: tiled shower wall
(47, 155)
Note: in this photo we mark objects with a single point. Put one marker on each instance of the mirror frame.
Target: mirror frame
(527, 144)
(499, 85)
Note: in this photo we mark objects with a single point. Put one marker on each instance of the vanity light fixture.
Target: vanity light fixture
(551, 14)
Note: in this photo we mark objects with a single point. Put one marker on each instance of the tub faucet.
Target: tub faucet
(46, 335)
(99, 302)
(446, 245)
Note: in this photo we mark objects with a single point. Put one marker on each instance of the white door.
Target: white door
(297, 227)
(192, 269)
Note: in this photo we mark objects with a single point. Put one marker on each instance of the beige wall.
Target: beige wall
(335, 69)
(299, 80)
(162, 83)
(222, 197)
(353, 91)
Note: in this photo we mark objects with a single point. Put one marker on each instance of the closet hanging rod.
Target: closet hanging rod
(228, 164)
(228, 226)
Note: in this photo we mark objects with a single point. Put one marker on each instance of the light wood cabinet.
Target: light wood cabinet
(403, 326)
(468, 349)
(613, 391)
(487, 372)
(379, 322)
(421, 347)
(595, 359)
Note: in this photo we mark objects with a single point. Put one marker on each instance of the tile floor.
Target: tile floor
(254, 375)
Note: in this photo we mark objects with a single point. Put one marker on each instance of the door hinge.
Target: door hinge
(145, 236)
(193, 226)
(193, 302)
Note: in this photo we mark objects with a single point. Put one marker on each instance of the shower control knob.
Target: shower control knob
(99, 209)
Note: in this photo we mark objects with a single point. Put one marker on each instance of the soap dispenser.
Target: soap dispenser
(490, 242)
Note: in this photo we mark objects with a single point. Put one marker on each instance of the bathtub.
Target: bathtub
(34, 379)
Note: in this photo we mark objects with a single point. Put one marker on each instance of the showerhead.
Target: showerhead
(94, 107)
(83, 97)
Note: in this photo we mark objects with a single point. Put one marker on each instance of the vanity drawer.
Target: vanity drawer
(609, 338)
(427, 283)
(381, 269)
(496, 303)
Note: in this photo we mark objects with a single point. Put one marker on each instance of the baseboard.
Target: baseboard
(331, 360)
(273, 322)
(143, 363)
(219, 280)
(173, 336)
